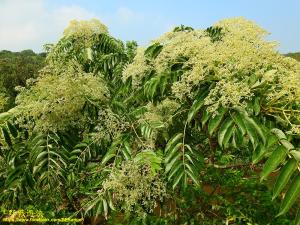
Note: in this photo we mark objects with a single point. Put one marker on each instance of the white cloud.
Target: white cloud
(29, 24)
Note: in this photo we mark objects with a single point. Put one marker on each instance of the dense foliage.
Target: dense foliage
(15, 69)
(175, 133)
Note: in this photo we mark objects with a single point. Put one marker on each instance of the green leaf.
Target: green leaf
(126, 154)
(41, 156)
(172, 152)
(257, 128)
(228, 135)
(149, 156)
(39, 166)
(193, 177)
(225, 132)
(278, 133)
(205, 117)
(12, 129)
(184, 182)
(138, 112)
(259, 153)
(105, 207)
(288, 145)
(81, 145)
(256, 106)
(296, 154)
(153, 50)
(151, 86)
(172, 141)
(170, 164)
(198, 103)
(110, 202)
(239, 138)
(5, 116)
(194, 109)
(146, 130)
(284, 177)
(240, 122)
(277, 156)
(177, 180)
(291, 196)
(174, 169)
(76, 152)
(252, 134)
(91, 205)
(110, 154)
(271, 140)
(14, 175)
(126, 151)
(6, 136)
(215, 121)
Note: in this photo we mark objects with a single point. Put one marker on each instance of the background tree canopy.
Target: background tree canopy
(15, 69)
(295, 55)
(193, 129)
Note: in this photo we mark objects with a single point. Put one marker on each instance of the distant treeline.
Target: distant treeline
(295, 55)
(15, 69)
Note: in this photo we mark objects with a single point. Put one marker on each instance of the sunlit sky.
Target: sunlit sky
(28, 24)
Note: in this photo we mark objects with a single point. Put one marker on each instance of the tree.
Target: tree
(15, 69)
(167, 133)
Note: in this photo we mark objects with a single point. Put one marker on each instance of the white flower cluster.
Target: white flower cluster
(85, 28)
(110, 125)
(241, 53)
(135, 187)
(228, 94)
(137, 69)
(56, 100)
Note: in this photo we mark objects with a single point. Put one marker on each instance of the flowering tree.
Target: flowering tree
(118, 130)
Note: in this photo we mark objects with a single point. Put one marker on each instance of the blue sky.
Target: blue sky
(28, 24)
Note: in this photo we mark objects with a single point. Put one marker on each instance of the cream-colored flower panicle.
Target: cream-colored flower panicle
(56, 100)
(240, 56)
(138, 69)
(85, 28)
